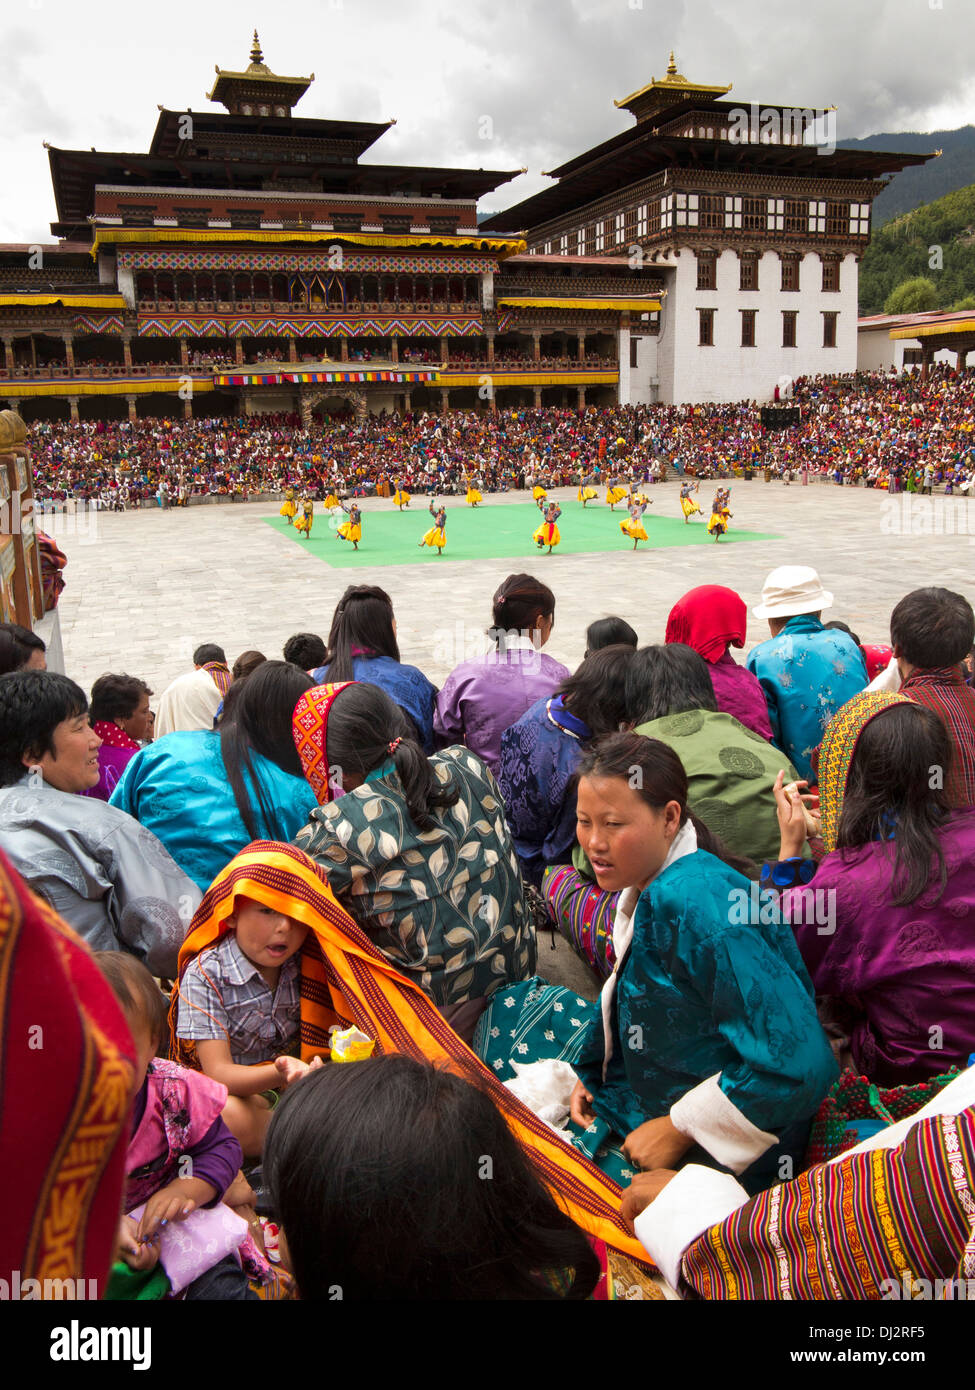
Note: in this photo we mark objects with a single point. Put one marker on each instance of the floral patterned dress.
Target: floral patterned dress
(446, 905)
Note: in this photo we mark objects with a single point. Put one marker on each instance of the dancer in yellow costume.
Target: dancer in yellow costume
(587, 493)
(539, 493)
(303, 524)
(614, 492)
(474, 494)
(634, 528)
(436, 537)
(718, 524)
(688, 503)
(331, 502)
(288, 507)
(548, 532)
(401, 498)
(351, 530)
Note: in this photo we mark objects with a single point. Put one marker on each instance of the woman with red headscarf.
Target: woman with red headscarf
(711, 619)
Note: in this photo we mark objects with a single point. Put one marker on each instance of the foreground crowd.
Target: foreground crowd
(875, 430)
(306, 1036)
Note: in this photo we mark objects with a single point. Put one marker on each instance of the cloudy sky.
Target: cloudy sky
(544, 72)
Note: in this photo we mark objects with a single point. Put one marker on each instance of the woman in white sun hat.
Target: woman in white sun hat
(806, 671)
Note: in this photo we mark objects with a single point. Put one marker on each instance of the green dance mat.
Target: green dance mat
(391, 537)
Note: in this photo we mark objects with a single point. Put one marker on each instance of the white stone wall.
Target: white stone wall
(729, 372)
(877, 351)
(643, 377)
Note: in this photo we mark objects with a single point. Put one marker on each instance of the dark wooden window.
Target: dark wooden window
(711, 208)
(790, 273)
(754, 214)
(633, 349)
(831, 276)
(706, 327)
(837, 219)
(796, 215)
(789, 317)
(653, 217)
(748, 327)
(707, 271)
(829, 329)
(748, 271)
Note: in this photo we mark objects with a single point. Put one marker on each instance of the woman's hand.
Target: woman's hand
(580, 1106)
(644, 1189)
(656, 1144)
(174, 1203)
(792, 821)
(293, 1069)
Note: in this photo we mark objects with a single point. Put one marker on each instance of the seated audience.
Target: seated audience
(540, 753)
(241, 782)
(712, 620)
(932, 632)
(246, 663)
(806, 672)
(181, 1157)
(376, 1173)
(705, 1041)
(362, 646)
(609, 632)
(20, 649)
(120, 717)
(305, 649)
(110, 879)
(188, 704)
(730, 769)
(483, 697)
(416, 849)
(885, 930)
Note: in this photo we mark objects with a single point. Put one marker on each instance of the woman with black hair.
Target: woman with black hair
(362, 646)
(396, 1180)
(416, 849)
(540, 752)
(706, 1033)
(730, 769)
(120, 717)
(484, 696)
(108, 877)
(207, 794)
(610, 632)
(20, 649)
(896, 954)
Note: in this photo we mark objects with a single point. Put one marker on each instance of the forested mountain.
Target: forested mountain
(935, 241)
(927, 182)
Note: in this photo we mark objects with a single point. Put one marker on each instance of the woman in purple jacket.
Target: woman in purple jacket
(712, 619)
(483, 697)
(120, 718)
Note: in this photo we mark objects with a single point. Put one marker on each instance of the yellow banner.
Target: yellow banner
(119, 235)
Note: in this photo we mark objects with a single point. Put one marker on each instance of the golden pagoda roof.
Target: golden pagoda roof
(675, 85)
(256, 71)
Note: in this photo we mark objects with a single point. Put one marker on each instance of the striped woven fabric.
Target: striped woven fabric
(868, 1226)
(583, 915)
(836, 754)
(345, 980)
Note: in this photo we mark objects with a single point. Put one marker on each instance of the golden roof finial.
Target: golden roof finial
(256, 55)
(672, 66)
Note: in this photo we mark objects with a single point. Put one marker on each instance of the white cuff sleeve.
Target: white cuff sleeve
(708, 1117)
(696, 1199)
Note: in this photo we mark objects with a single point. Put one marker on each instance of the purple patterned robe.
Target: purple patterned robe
(482, 698)
(739, 694)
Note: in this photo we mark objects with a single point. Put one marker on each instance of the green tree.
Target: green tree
(967, 303)
(914, 296)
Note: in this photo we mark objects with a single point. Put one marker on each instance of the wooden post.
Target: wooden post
(127, 351)
(73, 403)
(132, 412)
(239, 351)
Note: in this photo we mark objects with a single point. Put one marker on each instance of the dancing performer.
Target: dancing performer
(587, 492)
(436, 537)
(303, 524)
(332, 501)
(288, 507)
(351, 530)
(689, 504)
(635, 528)
(548, 532)
(615, 492)
(401, 498)
(539, 493)
(720, 514)
(474, 492)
